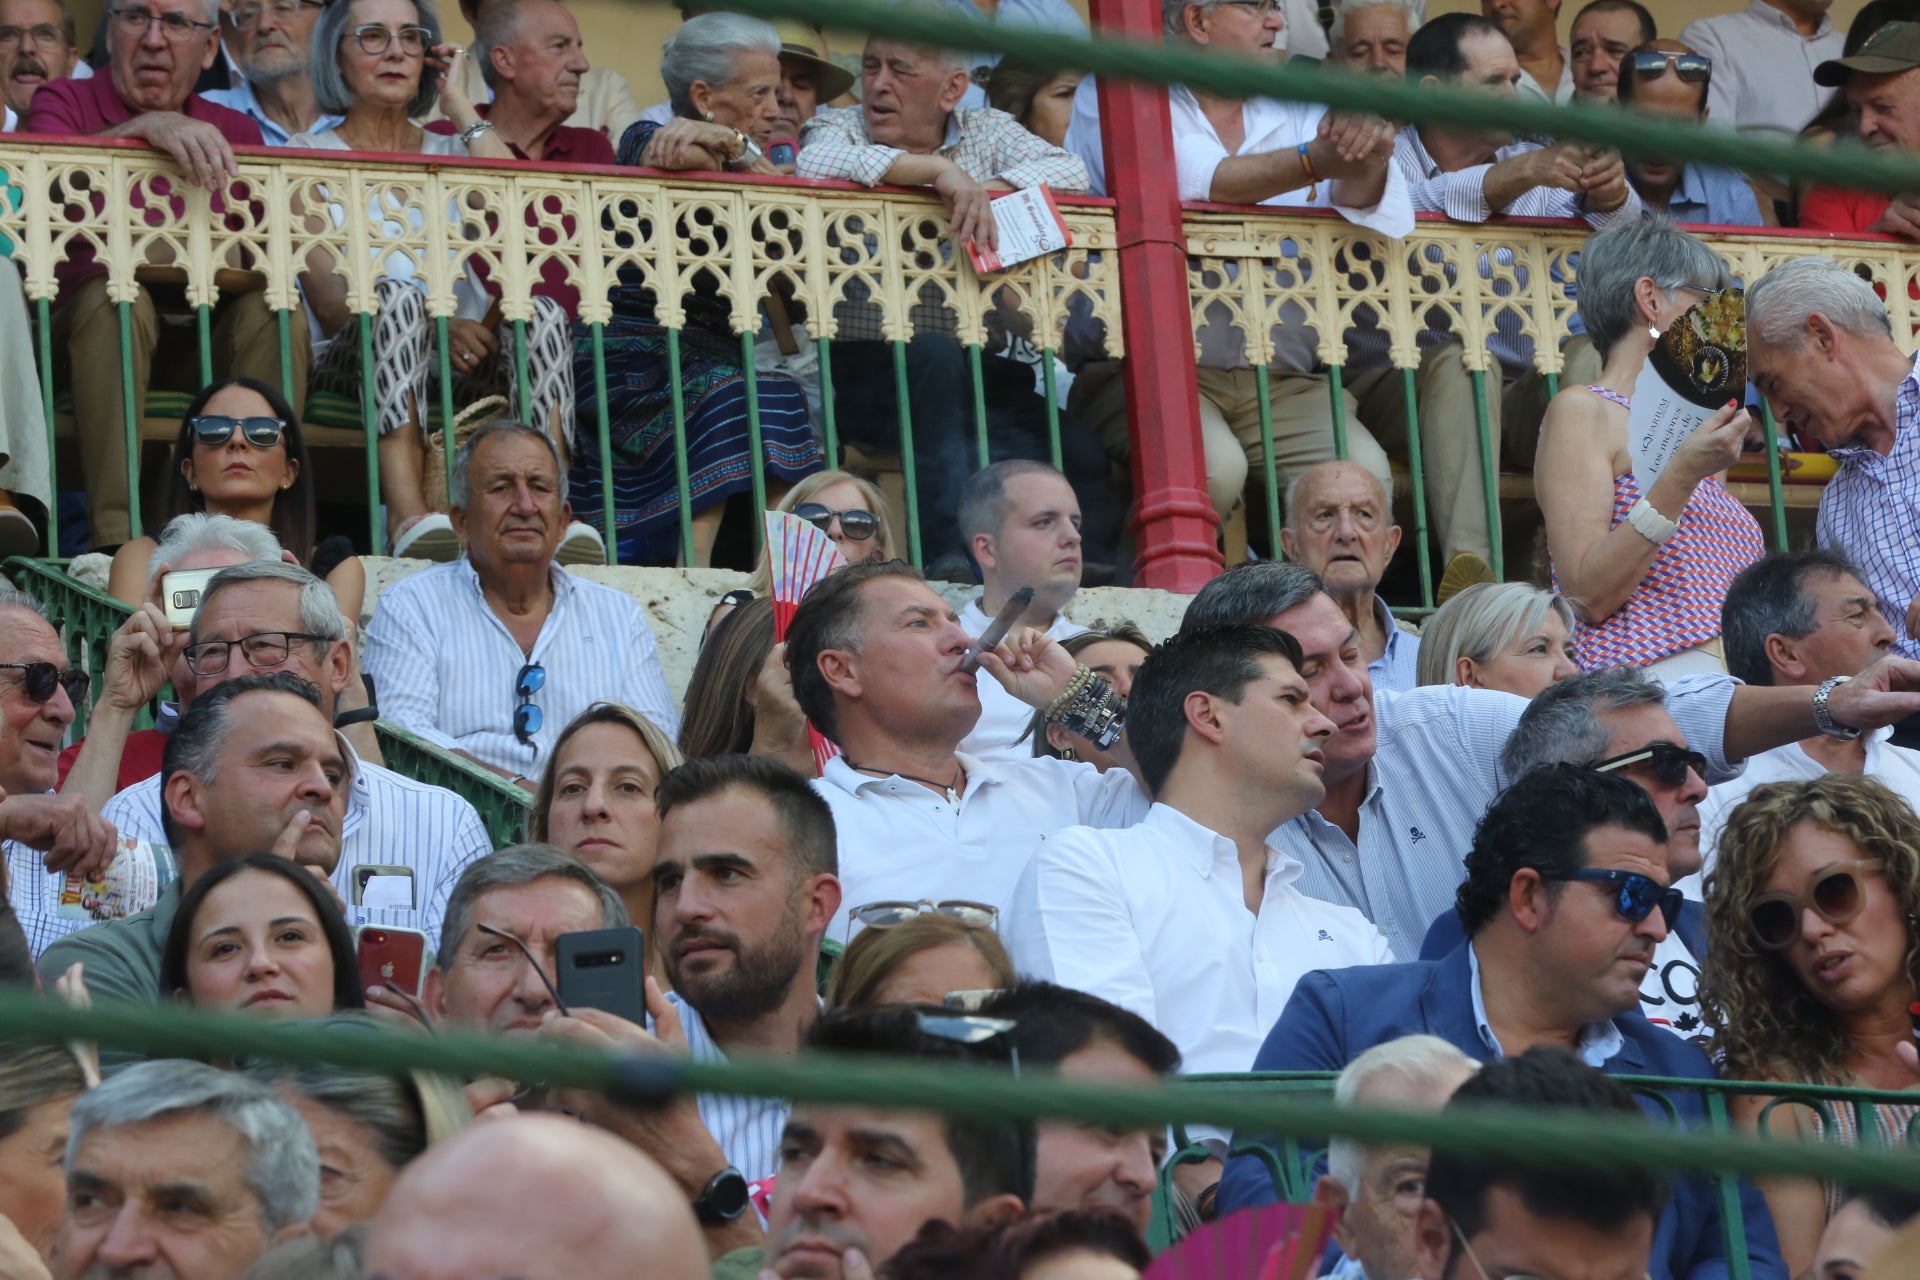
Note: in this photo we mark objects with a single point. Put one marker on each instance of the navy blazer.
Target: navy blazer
(1335, 1015)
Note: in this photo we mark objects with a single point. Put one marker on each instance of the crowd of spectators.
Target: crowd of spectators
(1655, 819)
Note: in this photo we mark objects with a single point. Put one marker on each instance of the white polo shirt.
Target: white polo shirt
(900, 841)
(1154, 918)
(1001, 731)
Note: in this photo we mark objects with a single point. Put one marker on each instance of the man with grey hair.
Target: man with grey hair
(1408, 775)
(1340, 526)
(178, 1169)
(271, 46)
(605, 103)
(1372, 35)
(533, 59)
(1821, 350)
(492, 655)
(266, 617)
(1376, 1190)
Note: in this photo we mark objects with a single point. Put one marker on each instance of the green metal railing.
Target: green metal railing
(502, 806)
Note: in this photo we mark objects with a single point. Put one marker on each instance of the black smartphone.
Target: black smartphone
(605, 969)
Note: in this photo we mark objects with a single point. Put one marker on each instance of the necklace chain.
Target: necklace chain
(951, 788)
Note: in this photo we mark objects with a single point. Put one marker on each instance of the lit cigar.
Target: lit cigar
(997, 629)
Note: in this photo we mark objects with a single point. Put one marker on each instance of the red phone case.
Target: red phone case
(391, 958)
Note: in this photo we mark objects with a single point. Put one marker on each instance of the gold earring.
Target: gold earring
(1068, 753)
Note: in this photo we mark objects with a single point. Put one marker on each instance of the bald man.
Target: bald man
(535, 1196)
(1340, 525)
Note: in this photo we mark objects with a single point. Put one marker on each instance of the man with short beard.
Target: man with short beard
(271, 41)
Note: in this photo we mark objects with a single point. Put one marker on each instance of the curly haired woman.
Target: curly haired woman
(1810, 923)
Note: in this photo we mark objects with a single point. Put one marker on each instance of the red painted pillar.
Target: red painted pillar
(1175, 527)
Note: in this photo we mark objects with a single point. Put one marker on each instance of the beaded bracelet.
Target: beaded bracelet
(1090, 708)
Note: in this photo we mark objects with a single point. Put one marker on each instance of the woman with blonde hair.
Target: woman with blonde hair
(1811, 905)
(38, 1085)
(919, 961)
(852, 512)
(740, 699)
(1510, 636)
(1114, 655)
(595, 800)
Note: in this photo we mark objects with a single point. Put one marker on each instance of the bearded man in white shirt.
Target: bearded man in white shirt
(879, 666)
(1191, 919)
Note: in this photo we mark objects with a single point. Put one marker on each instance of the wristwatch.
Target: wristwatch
(749, 152)
(723, 1199)
(1823, 718)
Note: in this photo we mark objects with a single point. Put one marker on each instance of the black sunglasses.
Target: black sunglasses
(856, 524)
(40, 679)
(1651, 64)
(527, 718)
(215, 429)
(1668, 762)
(1635, 896)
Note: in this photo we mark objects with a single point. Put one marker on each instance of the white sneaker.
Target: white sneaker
(582, 545)
(428, 537)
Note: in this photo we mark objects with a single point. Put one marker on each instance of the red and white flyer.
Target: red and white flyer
(1029, 224)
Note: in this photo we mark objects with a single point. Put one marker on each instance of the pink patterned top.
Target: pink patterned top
(1677, 604)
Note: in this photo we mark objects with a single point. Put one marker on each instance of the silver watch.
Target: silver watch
(1823, 718)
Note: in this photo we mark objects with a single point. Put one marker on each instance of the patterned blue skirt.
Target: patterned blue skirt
(646, 498)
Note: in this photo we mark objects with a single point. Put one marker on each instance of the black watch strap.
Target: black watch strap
(359, 716)
(723, 1199)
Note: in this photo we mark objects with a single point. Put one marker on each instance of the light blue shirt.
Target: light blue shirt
(1598, 1041)
(1714, 196)
(240, 98)
(1398, 666)
(748, 1129)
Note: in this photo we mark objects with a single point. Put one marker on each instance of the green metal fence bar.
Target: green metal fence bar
(756, 458)
(443, 353)
(44, 311)
(130, 415)
(284, 331)
(1489, 475)
(203, 333)
(370, 424)
(829, 424)
(501, 805)
(603, 424)
(982, 447)
(1776, 498)
(1336, 388)
(1733, 1226)
(521, 378)
(1423, 555)
(679, 448)
(1269, 469)
(906, 455)
(1052, 396)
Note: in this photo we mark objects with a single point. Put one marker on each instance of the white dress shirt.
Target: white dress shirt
(1001, 731)
(1562, 92)
(900, 841)
(1763, 67)
(445, 665)
(748, 1129)
(1154, 918)
(391, 820)
(1436, 769)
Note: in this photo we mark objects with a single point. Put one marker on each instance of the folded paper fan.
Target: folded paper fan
(1274, 1242)
(798, 556)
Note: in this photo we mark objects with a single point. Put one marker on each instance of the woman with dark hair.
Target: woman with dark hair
(1080, 1244)
(1115, 656)
(261, 934)
(740, 698)
(241, 453)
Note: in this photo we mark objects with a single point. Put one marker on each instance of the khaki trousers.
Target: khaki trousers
(246, 344)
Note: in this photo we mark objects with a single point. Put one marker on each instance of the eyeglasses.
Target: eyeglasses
(177, 27)
(885, 915)
(375, 39)
(1651, 64)
(1634, 895)
(262, 650)
(43, 35)
(1261, 8)
(1706, 291)
(40, 679)
(545, 981)
(1668, 762)
(245, 17)
(856, 524)
(527, 718)
(1835, 894)
(215, 429)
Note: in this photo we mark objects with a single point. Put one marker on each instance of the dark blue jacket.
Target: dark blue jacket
(1335, 1015)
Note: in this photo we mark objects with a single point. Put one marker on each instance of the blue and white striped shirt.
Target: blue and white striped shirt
(390, 820)
(748, 1129)
(446, 666)
(1398, 666)
(1435, 772)
(1870, 513)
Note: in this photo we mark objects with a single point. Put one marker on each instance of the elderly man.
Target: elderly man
(534, 1196)
(604, 104)
(269, 616)
(491, 656)
(1565, 900)
(272, 46)
(1340, 526)
(156, 49)
(1372, 35)
(1378, 1189)
(1882, 84)
(534, 62)
(1804, 618)
(1603, 33)
(1021, 522)
(1666, 78)
(1279, 154)
(177, 1169)
(1533, 27)
(1409, 774)
(36, 48)
(253, 765)
(857, 1183)
(1765, 55)
(879, 666)
(1821, 349)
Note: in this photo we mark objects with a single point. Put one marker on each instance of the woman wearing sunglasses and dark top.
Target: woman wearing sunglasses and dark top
(852, 512)
(1811, 966)
(240, 453)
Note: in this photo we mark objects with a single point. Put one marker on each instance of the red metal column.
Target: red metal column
(1175, 526)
